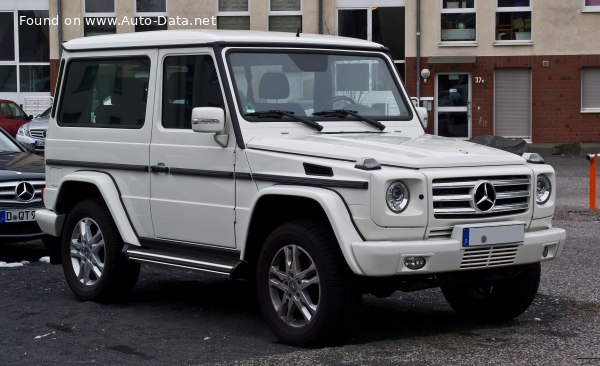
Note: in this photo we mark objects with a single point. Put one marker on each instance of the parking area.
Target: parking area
(184, 317)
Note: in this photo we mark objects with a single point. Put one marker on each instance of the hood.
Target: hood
(38, 123)
(426, 151)
(21, 165)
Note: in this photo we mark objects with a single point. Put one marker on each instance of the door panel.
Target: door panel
(192, 186)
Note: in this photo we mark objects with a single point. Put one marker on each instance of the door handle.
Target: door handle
(160, 168)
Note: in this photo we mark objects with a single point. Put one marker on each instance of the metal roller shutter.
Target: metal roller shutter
(513, 103)
(590, 89)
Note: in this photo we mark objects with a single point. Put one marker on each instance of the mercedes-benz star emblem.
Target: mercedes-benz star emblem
(484, 196)
(25, 191)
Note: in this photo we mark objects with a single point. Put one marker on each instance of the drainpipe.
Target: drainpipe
(60, 28)
(320, 16)
(418, 63)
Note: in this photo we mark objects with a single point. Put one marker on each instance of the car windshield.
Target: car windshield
(12, 110)
(45, 114)
(7, 145)
(315, 84)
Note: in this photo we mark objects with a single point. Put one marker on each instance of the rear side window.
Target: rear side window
(189, 81)
(105, 93)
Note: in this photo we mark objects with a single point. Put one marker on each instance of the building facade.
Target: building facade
(514, 68)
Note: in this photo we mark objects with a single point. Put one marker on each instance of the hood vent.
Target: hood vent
(322, 171)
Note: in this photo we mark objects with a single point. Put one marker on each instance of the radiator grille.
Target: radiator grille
(38, 134)
(482, 257)
(453, 197)
(8, 198)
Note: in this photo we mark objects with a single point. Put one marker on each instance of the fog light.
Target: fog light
(545, 252)
(414, 262)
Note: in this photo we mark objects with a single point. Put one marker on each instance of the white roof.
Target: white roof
(170, 38)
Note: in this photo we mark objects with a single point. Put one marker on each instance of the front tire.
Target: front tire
(93, 262)
(497, 302)
(304, 287)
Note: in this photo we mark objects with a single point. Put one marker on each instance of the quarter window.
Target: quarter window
(458, 21)
(188, 82)
(513, 20)
(233, 14)
(105, 93)
(285, 16)
(590, 90)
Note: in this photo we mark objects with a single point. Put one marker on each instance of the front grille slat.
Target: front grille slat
(8, 197)
(482, 257)
(453, 197)
(38, 134)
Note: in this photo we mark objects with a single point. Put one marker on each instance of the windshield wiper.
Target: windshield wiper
(278, 114)
(342, 113)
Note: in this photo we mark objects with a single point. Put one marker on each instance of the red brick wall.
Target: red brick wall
(556, 94)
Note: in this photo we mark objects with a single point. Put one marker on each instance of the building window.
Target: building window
(590, 90)
(458, 21)
(99, 18)
(513, 20)
(285, 16)
(233, 14)
(7, 36)
(591, 5)
(8, 79)
(151, 15)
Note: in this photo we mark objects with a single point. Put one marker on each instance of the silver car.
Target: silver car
(34, 133)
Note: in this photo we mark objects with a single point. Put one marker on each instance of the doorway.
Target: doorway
(453, 105)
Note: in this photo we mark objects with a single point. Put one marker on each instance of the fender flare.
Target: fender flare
(112, 197)
(334, 207)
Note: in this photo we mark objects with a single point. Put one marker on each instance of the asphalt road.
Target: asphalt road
(181, 317)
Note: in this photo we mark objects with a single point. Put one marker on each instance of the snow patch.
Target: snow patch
(11, 265)
(44, 259)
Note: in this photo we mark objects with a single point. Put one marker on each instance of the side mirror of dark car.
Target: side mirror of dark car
(30, 117)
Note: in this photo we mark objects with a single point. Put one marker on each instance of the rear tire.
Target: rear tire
(93, 262)
(305, 289)
(501, 301)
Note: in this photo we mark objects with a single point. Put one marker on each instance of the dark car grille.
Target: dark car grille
(8, 197)
(453, 197)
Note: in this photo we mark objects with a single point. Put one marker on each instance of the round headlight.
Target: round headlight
(543, 189)
(397, 196)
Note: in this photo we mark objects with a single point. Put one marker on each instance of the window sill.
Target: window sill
(513, 43)
(590, 110)
(457, 44)
(591, 9)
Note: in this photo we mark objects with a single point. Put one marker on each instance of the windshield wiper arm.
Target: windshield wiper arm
(278, 114)
(341, 113)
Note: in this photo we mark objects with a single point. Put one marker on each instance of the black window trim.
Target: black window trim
(100, 58)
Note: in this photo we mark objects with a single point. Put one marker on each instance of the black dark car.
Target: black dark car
(21, 182)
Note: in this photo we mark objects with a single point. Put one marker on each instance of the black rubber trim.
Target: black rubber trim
(201, 173)
(58, 87)
(94, 165)
(349, 213)
(159, 169)
(313, 182)
(173, 261)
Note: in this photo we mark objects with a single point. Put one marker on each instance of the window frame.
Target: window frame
(63, 82)
(150, 14)
(458, 11)
(220, 13)
(283, 13)
(592, 109)
(87, 14)
(589, 8)
(512, 9)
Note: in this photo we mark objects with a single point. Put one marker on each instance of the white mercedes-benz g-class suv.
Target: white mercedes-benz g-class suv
(295, 161)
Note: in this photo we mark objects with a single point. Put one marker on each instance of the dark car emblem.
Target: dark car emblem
(25, 191)
(484, 196)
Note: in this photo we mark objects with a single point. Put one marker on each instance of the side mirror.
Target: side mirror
(415, 101)
(30, 117)
(208, 119)
(423, 116)
(28, 147)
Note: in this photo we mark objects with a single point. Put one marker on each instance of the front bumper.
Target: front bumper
(386, 258)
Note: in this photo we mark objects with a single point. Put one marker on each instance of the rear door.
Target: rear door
(192, 184)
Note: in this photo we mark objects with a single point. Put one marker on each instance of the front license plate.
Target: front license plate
(8, 216)
(39, 143)
(493, 235)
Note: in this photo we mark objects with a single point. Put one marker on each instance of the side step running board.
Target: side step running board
(200, 259)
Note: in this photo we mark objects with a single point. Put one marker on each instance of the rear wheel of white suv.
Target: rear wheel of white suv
(501, 300)
(304, 286)
(91, 249)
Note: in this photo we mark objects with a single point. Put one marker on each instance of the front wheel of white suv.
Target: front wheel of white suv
(304, 287)
(91, 249)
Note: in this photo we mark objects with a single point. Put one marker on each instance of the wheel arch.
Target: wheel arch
(82, 185)
(276, 205)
